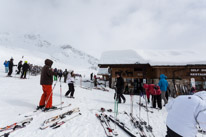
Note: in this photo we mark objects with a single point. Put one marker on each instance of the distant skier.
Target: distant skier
(146, 87)
(55, 75)
(120, 88)
(60, 74)
(185, 113)
(95, 81)
(46, 81)
(91, 76)
(19, 67)
(163, 87)
(70, 80)
(65, 73)
(25, 68)
(6, 65)
(11, 64)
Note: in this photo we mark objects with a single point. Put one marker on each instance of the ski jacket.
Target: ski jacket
(19, 65)
(47, 73)
(185, 112)
(11, 64)
(146, 87)
(6, 64)
(153, 89)
(70, 79)
(120, 85)
(65, 73)
(25, 67)
(163, 83)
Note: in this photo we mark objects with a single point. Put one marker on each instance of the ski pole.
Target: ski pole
(139, 105)
(147, 111)
(61, 94)
(131, 97)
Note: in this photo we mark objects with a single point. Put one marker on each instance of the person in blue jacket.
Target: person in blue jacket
(163, 84)
(6, 64)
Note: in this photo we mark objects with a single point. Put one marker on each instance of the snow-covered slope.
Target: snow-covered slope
(34, 49)
(19, 97)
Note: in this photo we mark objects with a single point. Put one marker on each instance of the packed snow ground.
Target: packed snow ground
(21, 96)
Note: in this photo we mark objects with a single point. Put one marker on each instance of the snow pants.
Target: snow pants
(71, 89)
(119, 96)
(156, 99)
(23, 74)
(65, 79)
(6, 69)
(10, 71)
(148, 96)
(171, 133)
(163, 93)
(46, 98)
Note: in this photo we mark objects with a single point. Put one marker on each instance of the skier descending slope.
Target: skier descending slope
(185, 113)
(46, 82)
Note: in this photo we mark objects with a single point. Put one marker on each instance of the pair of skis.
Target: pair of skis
(105, 122)
(144, 106)
(15, 126)
(56, 121)
(50, 110)
(122, 126)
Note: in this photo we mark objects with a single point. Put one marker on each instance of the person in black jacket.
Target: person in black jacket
(19, 67)
(120, 88)
(65, 73)
(11, 64)
(25, 68)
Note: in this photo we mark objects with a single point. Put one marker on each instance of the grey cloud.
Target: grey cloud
(98, 25)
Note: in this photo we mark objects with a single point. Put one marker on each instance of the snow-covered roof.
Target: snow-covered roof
(154, 57)
(121, 57)
(103, 71)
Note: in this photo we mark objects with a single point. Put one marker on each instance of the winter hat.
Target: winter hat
(201, 94)
(25, 61)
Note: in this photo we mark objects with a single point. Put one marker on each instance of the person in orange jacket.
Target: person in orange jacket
(46, 81)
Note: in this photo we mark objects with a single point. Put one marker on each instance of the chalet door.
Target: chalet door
(138, 86)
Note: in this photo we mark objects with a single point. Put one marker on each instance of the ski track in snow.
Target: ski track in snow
(21, 96)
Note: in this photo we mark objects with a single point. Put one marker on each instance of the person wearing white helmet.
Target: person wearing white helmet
(185, 114)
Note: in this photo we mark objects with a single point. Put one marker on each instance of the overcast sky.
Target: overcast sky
(95, 26)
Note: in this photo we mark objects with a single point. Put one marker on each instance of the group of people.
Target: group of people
(158, 92)
(184, 112)
(46, 80)
(23, 68)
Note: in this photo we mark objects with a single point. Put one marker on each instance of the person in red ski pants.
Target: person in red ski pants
(46, 82)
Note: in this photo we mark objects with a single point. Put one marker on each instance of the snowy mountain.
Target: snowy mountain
(35, 49)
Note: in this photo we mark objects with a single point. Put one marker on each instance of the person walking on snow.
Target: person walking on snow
(70, 80)
(120, 88)
(46, 81)
(6, 65)
(185, 113)
(163, 84)
(25, 68)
